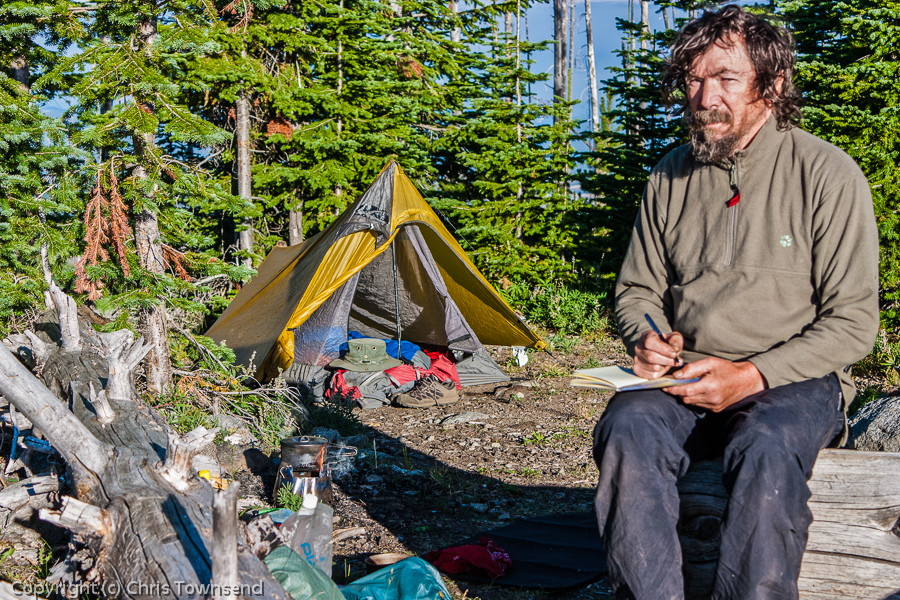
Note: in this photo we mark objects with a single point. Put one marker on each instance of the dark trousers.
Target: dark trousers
(646, 440)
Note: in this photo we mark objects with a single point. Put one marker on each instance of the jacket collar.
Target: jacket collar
(766, 141)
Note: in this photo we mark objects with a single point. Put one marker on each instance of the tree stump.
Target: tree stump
(141, 520)
(854, 540)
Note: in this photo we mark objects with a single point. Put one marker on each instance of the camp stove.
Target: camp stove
(303, 467)
(309, 463)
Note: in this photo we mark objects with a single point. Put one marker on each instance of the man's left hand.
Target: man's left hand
(722, 383)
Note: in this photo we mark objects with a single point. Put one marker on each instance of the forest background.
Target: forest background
(201, 133)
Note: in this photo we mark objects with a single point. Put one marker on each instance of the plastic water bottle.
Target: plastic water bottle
(312, 531)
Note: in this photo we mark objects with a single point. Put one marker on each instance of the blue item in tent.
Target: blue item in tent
(409, 579)
(407, 348)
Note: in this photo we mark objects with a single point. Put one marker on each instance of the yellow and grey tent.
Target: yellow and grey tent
(387, 265)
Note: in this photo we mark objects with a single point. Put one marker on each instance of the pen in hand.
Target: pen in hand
(678, 361)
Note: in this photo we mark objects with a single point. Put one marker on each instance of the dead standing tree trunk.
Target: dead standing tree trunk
(244, 177)
(561, 50)
(141, 520)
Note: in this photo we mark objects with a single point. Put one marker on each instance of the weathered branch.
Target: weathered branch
(203, 349)
(24, 494)
(79, 517)
(9, 592)
(178, 467)
(123, 355)
(39, 349)
(105, 413)
(225, 541)
(346, 534)
(61, 428)
(68, 319)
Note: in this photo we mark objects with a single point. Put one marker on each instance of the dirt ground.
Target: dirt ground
(422, 482)
(525, 452)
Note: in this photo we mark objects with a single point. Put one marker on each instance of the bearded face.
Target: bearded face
(705, 144)
(725, 110)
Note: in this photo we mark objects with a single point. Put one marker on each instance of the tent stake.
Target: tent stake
(396, 296)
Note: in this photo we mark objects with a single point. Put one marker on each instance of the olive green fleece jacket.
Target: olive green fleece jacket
(787, 277)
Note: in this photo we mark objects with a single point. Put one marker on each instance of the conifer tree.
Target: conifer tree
(642, 131)
(142, 195)
(848, 71)
(337, 90)
(39, 177)
(502, 160)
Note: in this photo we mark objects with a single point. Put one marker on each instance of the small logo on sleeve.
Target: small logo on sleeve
(786, 241)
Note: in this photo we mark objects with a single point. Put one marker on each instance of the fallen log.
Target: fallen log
(141, 521)
(853, 550)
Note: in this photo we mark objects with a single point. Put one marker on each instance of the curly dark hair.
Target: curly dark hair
(771, 50)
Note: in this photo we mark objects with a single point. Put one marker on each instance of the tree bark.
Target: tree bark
(645, 33)
(295, 227)
(21, 73)
(561, 50)
(244, 178)
(105, 107)
(571, 72)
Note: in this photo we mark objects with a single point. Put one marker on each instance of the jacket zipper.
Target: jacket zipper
(733, 205)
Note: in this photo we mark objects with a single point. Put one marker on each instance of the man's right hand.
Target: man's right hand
(654, 356)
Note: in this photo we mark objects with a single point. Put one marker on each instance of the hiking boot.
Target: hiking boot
(427, 393)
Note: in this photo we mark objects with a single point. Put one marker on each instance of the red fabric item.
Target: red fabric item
(403, 374)
(443, 368)
(339, 386)
(486, 556)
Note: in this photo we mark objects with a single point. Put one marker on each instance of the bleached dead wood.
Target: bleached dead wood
(138, 513)
(68, 319)
(9, 591)
(20, 499)
(122, 355)
(178, 466)
(225, 541)
(854, 541)
(79, 517)
(100, 403)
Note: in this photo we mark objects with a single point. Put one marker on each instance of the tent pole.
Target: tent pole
(396, 294)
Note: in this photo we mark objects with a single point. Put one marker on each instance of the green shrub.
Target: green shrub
(883, 360)
(287, 499)
(561, 308)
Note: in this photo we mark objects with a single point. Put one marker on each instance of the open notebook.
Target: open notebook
(622, 380)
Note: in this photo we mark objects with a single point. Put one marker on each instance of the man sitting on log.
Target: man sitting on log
(755, 251)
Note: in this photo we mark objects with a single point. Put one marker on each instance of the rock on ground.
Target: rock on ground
(876, 426)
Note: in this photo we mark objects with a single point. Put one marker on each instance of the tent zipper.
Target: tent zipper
(732, 217)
